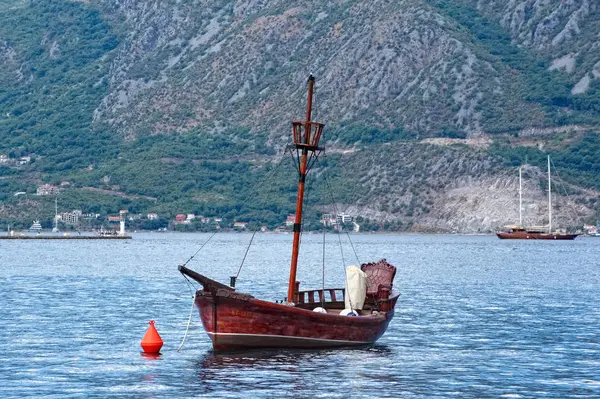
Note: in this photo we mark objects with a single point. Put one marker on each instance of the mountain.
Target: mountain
(173, 106)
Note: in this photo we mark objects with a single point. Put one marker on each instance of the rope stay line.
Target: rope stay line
(246, 254)
(330, 192)
(269, 175)
(202, 246)
(352, 246)
(323, 272)
(564, 188)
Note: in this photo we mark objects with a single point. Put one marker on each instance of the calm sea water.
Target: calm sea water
(478, 318)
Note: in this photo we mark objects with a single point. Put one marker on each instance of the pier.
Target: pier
(63, 237)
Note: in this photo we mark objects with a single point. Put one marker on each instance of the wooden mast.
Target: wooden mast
(306, 141)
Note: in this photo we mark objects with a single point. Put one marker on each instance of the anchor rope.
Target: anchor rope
(188, 323)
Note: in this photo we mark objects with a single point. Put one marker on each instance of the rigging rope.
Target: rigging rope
(246, 254)
(330, 191)
(267, 177)
(354, 250)
(563, 186)
(202, 246)
(191, 286)
(323, 276)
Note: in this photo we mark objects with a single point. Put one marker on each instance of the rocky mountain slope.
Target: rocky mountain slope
(568, 32)
(124, 93)
(401, 64)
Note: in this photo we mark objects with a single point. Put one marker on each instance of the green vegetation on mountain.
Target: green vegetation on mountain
(186, 108)
(577, 162)
(57, 56)
(530, 79)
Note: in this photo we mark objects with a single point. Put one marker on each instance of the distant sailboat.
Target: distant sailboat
(521, 233)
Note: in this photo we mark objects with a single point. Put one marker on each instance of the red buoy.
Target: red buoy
(151, 343)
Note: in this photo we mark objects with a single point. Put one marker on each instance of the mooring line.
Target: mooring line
(188, 323)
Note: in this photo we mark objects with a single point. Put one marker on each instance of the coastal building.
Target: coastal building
(47, 189)
(240, 225)
(152, 216)
(180, 218)
(343, 218)
(328, 220)
(70, 218)
(190, 217)
(290, 220)
(113, 219)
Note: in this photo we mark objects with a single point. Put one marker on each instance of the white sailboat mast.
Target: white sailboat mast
(520, 200)
(549, 199)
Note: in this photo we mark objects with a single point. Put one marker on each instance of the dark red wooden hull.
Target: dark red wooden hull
(526, 235)
(236, 321)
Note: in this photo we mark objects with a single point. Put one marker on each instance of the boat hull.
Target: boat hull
(237, 321)
(525, 235)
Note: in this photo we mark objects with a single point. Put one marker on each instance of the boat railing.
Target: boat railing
(316, 296)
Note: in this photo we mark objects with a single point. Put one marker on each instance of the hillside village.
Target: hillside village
(78, 219)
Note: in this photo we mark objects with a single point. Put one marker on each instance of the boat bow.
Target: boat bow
(208, 284)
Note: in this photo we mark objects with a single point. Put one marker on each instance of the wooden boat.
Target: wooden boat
(236, 320)
(521, 233)
(517, 233)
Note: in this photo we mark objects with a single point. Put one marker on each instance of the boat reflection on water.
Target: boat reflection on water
(151, 356)
(270, 357)
(251, 371)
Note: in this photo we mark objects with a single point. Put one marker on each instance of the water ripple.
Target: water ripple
(477, 318)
